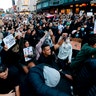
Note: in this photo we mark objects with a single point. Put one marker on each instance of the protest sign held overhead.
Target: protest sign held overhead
(9, 41)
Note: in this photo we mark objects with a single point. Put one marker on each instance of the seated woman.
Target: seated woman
(29, 56)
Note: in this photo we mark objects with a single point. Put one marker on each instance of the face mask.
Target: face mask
(77, 35)
(82, 29)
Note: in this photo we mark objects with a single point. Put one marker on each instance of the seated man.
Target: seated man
(8, 82)
(47, 81)
(48, 57)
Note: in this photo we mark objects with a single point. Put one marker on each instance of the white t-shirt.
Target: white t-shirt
(65, 51)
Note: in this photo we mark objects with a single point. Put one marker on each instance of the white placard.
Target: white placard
(9, 41)
(81, 12)
(95, 27)
(89, 14)
(28, 51)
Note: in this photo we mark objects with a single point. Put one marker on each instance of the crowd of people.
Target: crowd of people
(43, 62)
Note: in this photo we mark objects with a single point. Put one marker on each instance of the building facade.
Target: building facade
(66, 6)
(26, 5)
(32, 5)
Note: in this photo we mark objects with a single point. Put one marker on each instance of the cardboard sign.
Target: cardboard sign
(76, 45)
(28, 51)
(76, 39)
(9, 41)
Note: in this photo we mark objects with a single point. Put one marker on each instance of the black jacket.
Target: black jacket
(37, 83)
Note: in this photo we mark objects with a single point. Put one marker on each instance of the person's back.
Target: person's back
(85, 80)
(88, 49)
(50, 85)
(82, 68)
(83, 54)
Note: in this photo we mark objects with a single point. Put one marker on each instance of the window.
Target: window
(45, 4)
(39, 6)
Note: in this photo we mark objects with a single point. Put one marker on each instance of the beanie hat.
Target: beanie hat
(51, 76)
